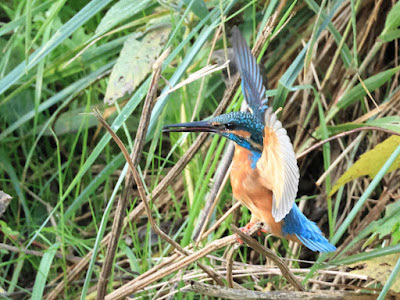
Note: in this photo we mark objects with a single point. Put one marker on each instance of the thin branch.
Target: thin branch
(142, 194)
(271, 255)
(319, 144)
(157, 192)
(70, 258)
(229, 264)
(229, 293)
(132, 161)
(135, 285)
(141, 189)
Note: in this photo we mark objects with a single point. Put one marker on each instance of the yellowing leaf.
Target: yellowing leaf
(371, 162)
(380, 269)
(135, 62)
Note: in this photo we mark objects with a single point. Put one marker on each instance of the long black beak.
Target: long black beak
(200, 126)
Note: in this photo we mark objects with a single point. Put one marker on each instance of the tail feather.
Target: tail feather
(306, 231)
(322, 245)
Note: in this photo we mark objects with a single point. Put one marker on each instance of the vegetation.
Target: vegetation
(333, 68)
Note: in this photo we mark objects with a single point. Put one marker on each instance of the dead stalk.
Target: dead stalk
(271, 255)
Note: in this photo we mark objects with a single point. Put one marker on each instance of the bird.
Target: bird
(264, 175)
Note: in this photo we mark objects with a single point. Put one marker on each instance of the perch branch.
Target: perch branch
(271, 255)
(135, 285)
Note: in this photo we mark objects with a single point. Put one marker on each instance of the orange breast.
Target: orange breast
(247, 188)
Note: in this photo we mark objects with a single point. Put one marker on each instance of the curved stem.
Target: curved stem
(319, 144)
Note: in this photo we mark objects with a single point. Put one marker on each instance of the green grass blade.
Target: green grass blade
(94, 184)
(358, 92)
(367, 255)
(326, 150)
(71, 89)
(14, 24)
(198, 7)
(345, 52)
(58, 37)
(42, 273)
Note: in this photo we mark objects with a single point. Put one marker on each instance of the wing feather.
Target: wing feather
(278, 166)
(252, 82)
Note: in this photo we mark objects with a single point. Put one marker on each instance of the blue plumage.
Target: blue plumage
(306, 231)
(255, 156)
(252, 83)
(242, 121)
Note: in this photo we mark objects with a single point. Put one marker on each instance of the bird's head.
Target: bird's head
(241, 127)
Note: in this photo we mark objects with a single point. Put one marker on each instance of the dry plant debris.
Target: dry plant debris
(339, 101)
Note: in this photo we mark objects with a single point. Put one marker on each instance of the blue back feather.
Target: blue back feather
(306, 231)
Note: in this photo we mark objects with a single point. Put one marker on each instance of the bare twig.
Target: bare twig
(271, 255)
(319, 144)
(142, 194)
(133, 161)
(49, 208)
(229, 293)
(136, 285)
(71, 258)
(159, 189)
(229, 264)
(196, 106)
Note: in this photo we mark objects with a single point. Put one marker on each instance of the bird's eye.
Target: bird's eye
(229, 126)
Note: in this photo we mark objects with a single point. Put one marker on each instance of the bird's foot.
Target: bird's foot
(246, 229)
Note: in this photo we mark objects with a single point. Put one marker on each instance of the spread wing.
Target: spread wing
(278, 166)
(252, 83)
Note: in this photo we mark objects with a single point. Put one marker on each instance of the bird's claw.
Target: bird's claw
(246, 229)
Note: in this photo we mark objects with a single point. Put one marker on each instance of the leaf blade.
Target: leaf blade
(371, 162)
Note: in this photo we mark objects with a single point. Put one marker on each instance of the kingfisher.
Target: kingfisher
(264, 175)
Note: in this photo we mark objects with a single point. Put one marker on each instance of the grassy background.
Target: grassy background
(332, 66)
